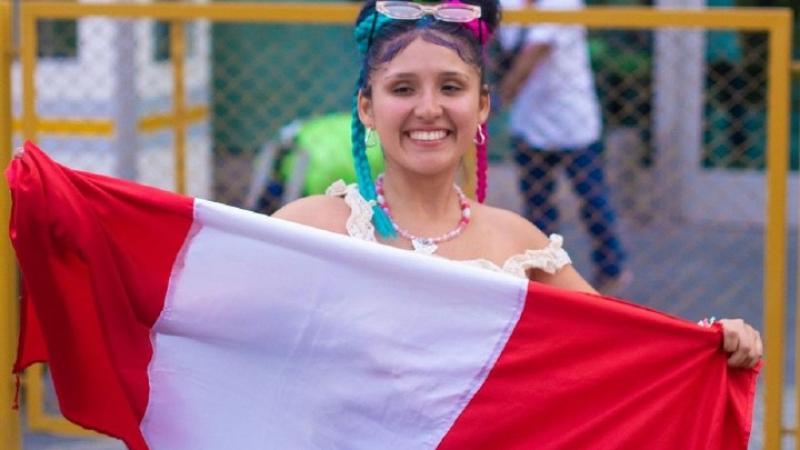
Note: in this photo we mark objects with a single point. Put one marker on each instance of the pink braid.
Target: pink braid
(482, 165)
(481, 31)
(477, 26)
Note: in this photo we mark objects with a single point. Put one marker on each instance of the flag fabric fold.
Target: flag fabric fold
(171, 322)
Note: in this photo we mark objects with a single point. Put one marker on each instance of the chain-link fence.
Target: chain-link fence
(684, 116)
(685, 150)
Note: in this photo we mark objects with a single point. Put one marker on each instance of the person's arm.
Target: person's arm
(524, 65)
(525, 236)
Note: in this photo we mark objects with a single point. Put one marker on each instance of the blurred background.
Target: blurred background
(254, 113)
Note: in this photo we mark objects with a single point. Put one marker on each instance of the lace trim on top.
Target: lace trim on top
(359, 224)
(550, 259)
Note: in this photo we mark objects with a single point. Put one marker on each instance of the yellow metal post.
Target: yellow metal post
(775, 230)
(795, 73)
(9, 419)
(177, 44)
(27, 49)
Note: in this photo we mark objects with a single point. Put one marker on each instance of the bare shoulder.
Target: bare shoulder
(510, 234)
(509, 230)
(319, 211)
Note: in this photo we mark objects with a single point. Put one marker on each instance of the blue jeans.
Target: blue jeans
(584, 167)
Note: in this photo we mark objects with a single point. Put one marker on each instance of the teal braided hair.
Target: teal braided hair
(364, 31)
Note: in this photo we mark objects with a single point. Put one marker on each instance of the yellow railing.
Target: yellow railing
(93, 127)
(775, 23)
(75, 127)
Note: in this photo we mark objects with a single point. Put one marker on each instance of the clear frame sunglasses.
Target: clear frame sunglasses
(446, 12)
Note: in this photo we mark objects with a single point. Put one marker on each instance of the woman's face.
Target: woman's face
(426, 105)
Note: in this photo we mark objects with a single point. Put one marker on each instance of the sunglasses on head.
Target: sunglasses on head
(446, 12)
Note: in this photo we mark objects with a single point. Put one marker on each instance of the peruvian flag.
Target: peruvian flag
(177, 323)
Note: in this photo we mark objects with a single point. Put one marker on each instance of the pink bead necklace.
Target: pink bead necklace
(426, 244)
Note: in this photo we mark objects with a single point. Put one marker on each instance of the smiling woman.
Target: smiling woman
(426, 105)
(421, 92)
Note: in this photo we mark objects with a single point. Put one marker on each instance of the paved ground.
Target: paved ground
(689, 270)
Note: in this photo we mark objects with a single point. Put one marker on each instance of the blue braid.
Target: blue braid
(366, 185)
(364, 33)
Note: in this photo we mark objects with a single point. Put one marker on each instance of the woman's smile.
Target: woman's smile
(428, 138)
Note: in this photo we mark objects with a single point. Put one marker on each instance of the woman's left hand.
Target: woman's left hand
(743, 343)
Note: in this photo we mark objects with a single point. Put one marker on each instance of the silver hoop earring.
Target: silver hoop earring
(369, 138)
(479, 138)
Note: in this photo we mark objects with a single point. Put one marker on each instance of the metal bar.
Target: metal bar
(154, 122)
(72, 126)
(28, 44)
(795, 429)
(646, 18)
(229, 12)
(104, 127)
(327, 13)
(177, 43)
(778, 95)
(9, 419)
(59, 425)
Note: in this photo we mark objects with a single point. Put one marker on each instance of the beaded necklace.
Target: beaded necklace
(421, 244)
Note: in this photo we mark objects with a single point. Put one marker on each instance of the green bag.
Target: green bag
(325, 140)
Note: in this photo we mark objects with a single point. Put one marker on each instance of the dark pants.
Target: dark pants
(584, 167)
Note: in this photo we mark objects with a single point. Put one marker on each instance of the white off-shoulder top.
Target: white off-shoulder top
(359, 225)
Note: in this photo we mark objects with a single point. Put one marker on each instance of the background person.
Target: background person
(555, 124)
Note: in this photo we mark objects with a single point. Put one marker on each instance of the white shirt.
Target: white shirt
(557, 106)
